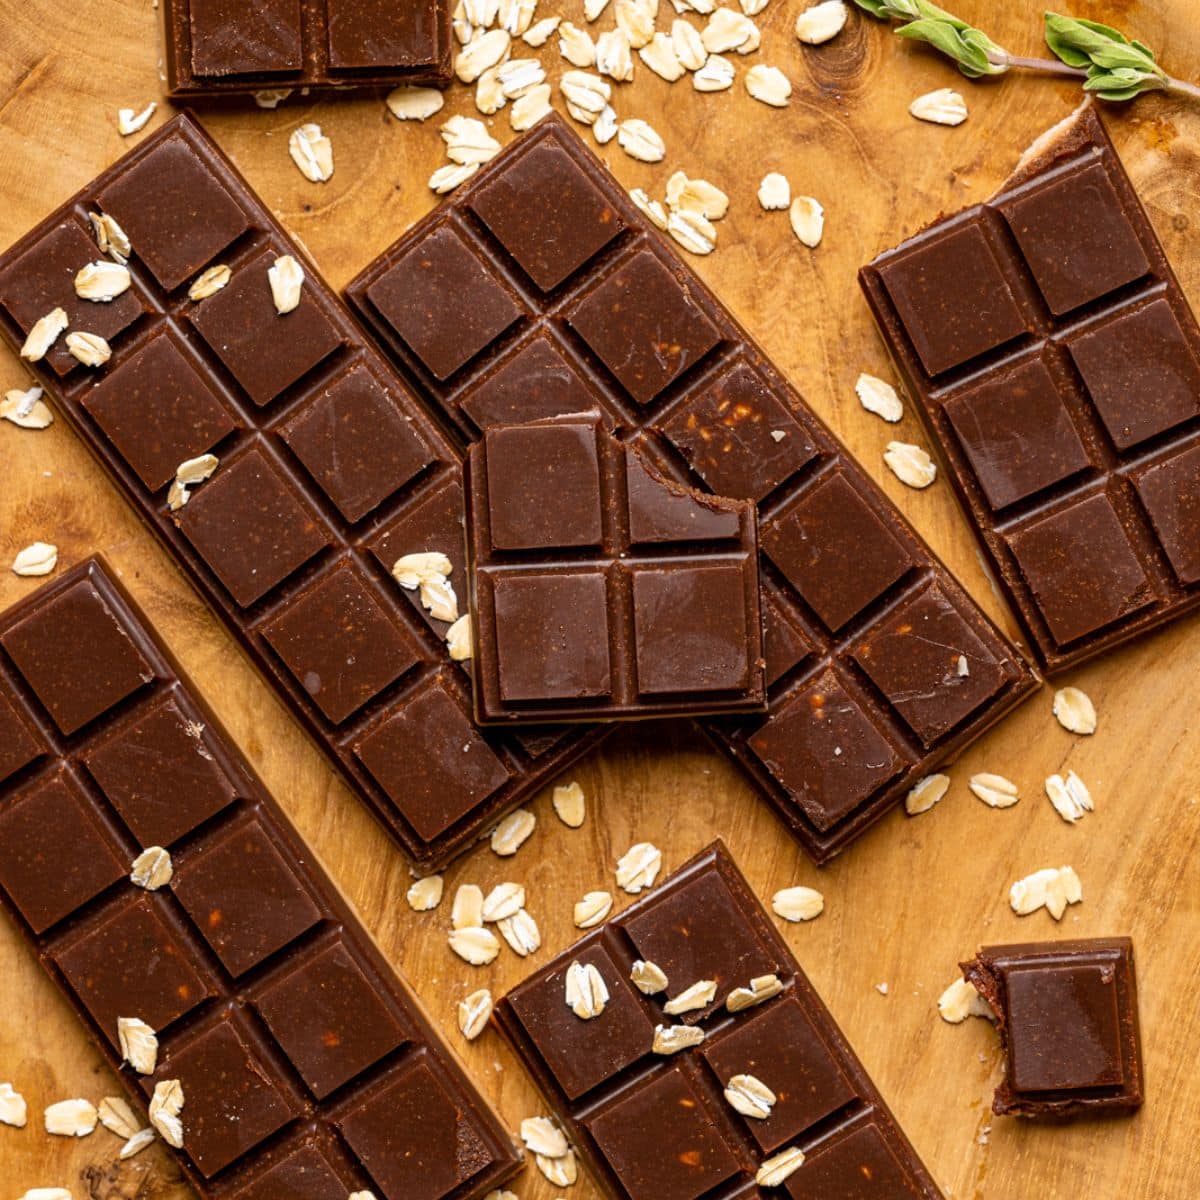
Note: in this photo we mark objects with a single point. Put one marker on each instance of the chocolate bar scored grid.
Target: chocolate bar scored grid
(540, 289)
(307, 1067)
(1072, 423)
(658, 1127)
(329, 471)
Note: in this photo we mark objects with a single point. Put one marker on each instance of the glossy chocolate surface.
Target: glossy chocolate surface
(1067, 1015)
(278, 1015)
(578, 304)
(1056, 362)
(655, 1127)
(329, 471)
(600, 589)
(232, 47)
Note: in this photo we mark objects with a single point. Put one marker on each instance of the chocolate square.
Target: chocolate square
(1017, 432)
(548, 214)
(339, 641)
(19, 744)
(231, 37)
(1170, 493)
(302, 1173)
(835, 548)
(662, 511)
(862, 1163)
(243, 896)
(357, 444)
(785, 642)
(106, 665)
(644, 327)
(252, 526)
(372, 34)
(443, 300)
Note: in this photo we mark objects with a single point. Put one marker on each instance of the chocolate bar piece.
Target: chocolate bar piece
(1056, 362)
(230, 47)
(1067, 1015)
(307, 1067)
(599, 589)
(666, 1126)
(329, 471)
(879, 666)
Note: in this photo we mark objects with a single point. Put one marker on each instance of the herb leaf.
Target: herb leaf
(966, 46)
(1081, 43)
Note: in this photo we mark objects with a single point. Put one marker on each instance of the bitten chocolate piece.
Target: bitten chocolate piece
(231, 47)
(1067, 1015)
(879, 666)
(274, 1010)
(1056, 362)
(329, 471)
(661, 1126)
(599, 588)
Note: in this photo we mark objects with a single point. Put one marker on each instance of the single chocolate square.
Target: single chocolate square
(1170, 492)
(860, 1162)
(1067, 1016)
(230, 37)
(302, 1172)
(375, 35)
(786, 642)
(19, 744)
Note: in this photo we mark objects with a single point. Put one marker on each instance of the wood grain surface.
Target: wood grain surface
(918, 894)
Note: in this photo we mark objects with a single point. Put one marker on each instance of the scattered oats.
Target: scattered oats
(458, 639)
(635, 19)
(111, 239)
(468, 141)
(152, 869)
(749, 1096)
(943, 107)
(696, 196)
(118, 1117)
(808, 220)
(519, 75)
(648, 977)
(882, 988)
(586, 95)
(139, 1045)
(562, 1172)
(576, 45)
(427, 572)
(761, 988)
(1072, 708)
(446, 179)
(604, 127)
(768, 84)
(670, 1039)
(652, 209)
(962, 668)
(510, 835)
(593, 8)
(136, 1143)
(165, 1106)
(910, 464)
(925, 793)
(753, 7)
(271, 97)
(585, 991)
(474, 1012)
(687, 44)
(464, 31)
(131, 121)
(485, 51)
(515, 16)
(1070, 796)
(26, 409)
(286, 277)
(312, 152)
(715, 76)
(1051, 888)
(660, 56)
(521, 933)
(71, 1118)
(776, 1169)
(13, 1109)
(592, 909)
(777, 435)
(821, 23)
(960, 1001)
(102, 282)
(43, 335)
(189, 474)
(37, 559)
(798, 903)
(569, 804)
(504, 900)
(994, 790)
(530, 108)
(774, 193)
(613, 55)
(692, 231)
(467, 910)
(728, 29)
(879, 397)
(426, 894)
(489, 95)
(640, 141)
(50, 1193)
(475, 945)
(540, 33)
(210, 282)
(638, 867)
(481, 13)
(699, 995)
(89, 348)
(542, 1136)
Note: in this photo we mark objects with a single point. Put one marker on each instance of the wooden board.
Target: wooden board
(919, 894)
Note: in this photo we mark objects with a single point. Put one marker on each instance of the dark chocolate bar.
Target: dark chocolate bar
(329, 471)
(599, 589)
(1067, 1015)
(539, 289)
(657, 1126)
(1056, 362)
(232, 47)
(307, 1067)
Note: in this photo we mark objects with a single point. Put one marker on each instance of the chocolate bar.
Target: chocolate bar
(1067, 1015)
(230, 47)
(539, 289)
(306, 1065)
(329, 471)
(673, 1126)
(599, 589)
(1056, 362)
